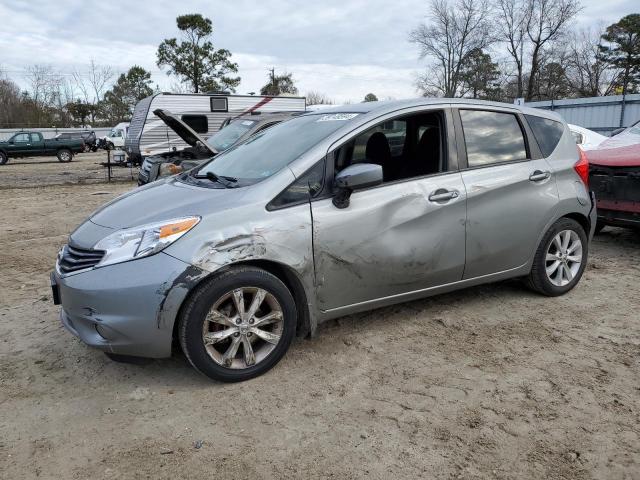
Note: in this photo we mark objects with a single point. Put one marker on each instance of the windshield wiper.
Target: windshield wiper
(227, 182)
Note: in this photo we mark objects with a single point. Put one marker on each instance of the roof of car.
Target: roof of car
(269, 116)
(385, 106)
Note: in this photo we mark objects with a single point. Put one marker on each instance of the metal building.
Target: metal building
(601, 114)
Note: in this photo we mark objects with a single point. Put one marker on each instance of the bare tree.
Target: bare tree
(93, 84)
(317, 98)
(43, 82)
(547, 20)
(99, 78)
(512, 19)
(453, 31)
(82, 86)
(588, 73)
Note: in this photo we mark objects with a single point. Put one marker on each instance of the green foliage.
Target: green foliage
(370, 97)
(552, 82)
(194, 60)
(623, 50)
(479, 75)
(279, 85)
(80, 111)
(128, 90)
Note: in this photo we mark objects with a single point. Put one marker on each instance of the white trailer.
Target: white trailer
(205, 113)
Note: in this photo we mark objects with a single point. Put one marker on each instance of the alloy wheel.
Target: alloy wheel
(564, 257)
(243, 327)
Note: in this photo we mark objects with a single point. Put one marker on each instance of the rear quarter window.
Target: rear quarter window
(547, 132)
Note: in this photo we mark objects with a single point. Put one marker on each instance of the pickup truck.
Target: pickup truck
(32, 144)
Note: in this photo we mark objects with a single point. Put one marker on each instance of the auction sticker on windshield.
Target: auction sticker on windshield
(337, 117)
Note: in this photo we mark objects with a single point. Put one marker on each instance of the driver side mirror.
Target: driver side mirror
(354, 177)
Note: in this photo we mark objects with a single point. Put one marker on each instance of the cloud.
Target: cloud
(342, 48)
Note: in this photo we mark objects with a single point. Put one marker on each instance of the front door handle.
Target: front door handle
(539, 175)
(442, 195)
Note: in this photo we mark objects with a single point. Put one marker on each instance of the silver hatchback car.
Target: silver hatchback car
(330, 213)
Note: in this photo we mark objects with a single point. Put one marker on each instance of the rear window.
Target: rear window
(198, 123)
(492, 137)
(547, 132)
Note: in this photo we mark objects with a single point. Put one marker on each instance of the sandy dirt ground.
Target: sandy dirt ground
(489, 382)
(85, 168)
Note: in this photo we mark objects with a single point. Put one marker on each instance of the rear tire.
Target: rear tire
(211, 323)
(64, 155)
(3, 158)
(560, 259)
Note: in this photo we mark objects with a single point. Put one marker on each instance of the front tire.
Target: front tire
(64, 155)
(560, 259)
(3, 158)
(238, 325)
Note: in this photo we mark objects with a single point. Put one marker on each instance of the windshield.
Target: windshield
(230, 134)
(269, 151)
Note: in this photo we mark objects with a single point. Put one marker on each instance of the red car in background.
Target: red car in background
(614, 176)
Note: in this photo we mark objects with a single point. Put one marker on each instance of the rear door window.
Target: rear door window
(492, 137)
(548, 133)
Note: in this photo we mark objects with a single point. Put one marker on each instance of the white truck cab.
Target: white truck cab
(116, 137)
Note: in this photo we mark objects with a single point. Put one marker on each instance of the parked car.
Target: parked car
(615, 179)
(296, 226)
(204, 113)
(585, 138)
(32, 144)
(89, 139)
(201, 150)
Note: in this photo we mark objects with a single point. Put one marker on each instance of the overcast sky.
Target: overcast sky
(344, 48)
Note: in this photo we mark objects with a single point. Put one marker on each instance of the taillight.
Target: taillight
(582, 168)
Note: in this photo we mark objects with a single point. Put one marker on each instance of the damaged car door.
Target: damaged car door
(405, 234)
(511, 190)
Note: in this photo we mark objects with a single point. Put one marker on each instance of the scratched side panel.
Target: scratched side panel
(249, 233)
(506, 213)
(390, 240)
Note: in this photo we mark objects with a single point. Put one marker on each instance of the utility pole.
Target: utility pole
(273, 77)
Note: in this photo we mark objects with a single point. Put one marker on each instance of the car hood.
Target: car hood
(620, 151)
(165, 200)
(184, 131)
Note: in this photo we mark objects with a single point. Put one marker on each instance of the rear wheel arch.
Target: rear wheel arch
(584, 222)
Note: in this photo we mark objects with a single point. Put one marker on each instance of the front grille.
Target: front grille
(73, 258)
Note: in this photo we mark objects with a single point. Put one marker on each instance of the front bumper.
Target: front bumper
(128, 308)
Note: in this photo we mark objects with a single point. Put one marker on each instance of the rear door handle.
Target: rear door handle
(539, 175)
(442, 195)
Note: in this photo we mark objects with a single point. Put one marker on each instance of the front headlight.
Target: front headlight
(138, 242)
